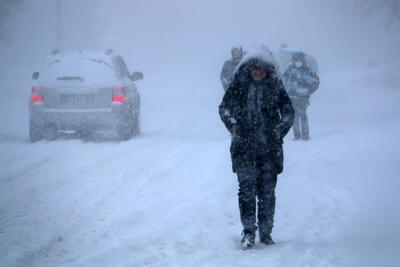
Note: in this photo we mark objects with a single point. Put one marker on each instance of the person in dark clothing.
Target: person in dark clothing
(229, 67)
(258, 113)
(300, 83)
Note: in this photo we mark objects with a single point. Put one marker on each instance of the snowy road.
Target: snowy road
(169, 198)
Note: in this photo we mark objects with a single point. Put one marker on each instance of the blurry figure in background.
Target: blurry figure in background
(257, 111)
(300, 82)
(229, 67)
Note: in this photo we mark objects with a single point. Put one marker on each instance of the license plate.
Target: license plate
(71, 100)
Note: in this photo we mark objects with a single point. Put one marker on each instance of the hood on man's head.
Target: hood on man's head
(260, 56)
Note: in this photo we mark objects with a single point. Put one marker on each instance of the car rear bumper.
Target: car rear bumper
(76, 119)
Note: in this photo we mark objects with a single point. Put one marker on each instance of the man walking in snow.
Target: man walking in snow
(258, 113)
(229, 67)
(300, 82)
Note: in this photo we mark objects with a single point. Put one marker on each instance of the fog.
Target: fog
(180, 47)
(177, 33)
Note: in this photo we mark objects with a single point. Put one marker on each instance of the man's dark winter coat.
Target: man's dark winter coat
(277, 116)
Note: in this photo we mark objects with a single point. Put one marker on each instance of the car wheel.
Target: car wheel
(35, 131)
(124, 127)
(136, 124)
(50, 132)
(84, 134)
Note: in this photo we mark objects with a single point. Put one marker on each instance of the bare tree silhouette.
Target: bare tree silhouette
(390, 8)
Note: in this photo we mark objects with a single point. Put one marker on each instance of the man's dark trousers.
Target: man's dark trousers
(257, 180)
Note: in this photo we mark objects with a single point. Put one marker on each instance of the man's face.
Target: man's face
(257, 73)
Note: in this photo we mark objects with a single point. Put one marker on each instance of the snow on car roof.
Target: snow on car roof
(99, 55)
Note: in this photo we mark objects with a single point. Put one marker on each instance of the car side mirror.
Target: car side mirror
(35, 75)
(137, 76)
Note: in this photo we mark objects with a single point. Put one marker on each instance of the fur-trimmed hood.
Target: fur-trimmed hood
(260, 56)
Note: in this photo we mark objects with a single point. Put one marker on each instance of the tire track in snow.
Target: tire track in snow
(36, 201)
(28, 169)
(103, 166)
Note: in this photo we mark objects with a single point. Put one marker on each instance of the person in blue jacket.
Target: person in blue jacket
(300, 83)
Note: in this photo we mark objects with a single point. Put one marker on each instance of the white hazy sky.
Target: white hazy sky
(179, 43)
(176, 34)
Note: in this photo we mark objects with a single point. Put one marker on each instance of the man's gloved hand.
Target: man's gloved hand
(278, 134)
(234, 129)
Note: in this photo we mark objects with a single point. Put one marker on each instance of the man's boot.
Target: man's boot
(266, 240)
(248, 239)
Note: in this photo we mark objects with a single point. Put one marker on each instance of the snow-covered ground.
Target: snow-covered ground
(169, 198)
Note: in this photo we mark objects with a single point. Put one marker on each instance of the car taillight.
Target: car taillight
(37, 94)
(118, 95)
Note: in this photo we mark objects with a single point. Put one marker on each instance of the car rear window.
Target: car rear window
(79, 69)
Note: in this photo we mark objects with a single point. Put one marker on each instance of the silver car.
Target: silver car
(84, 91)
